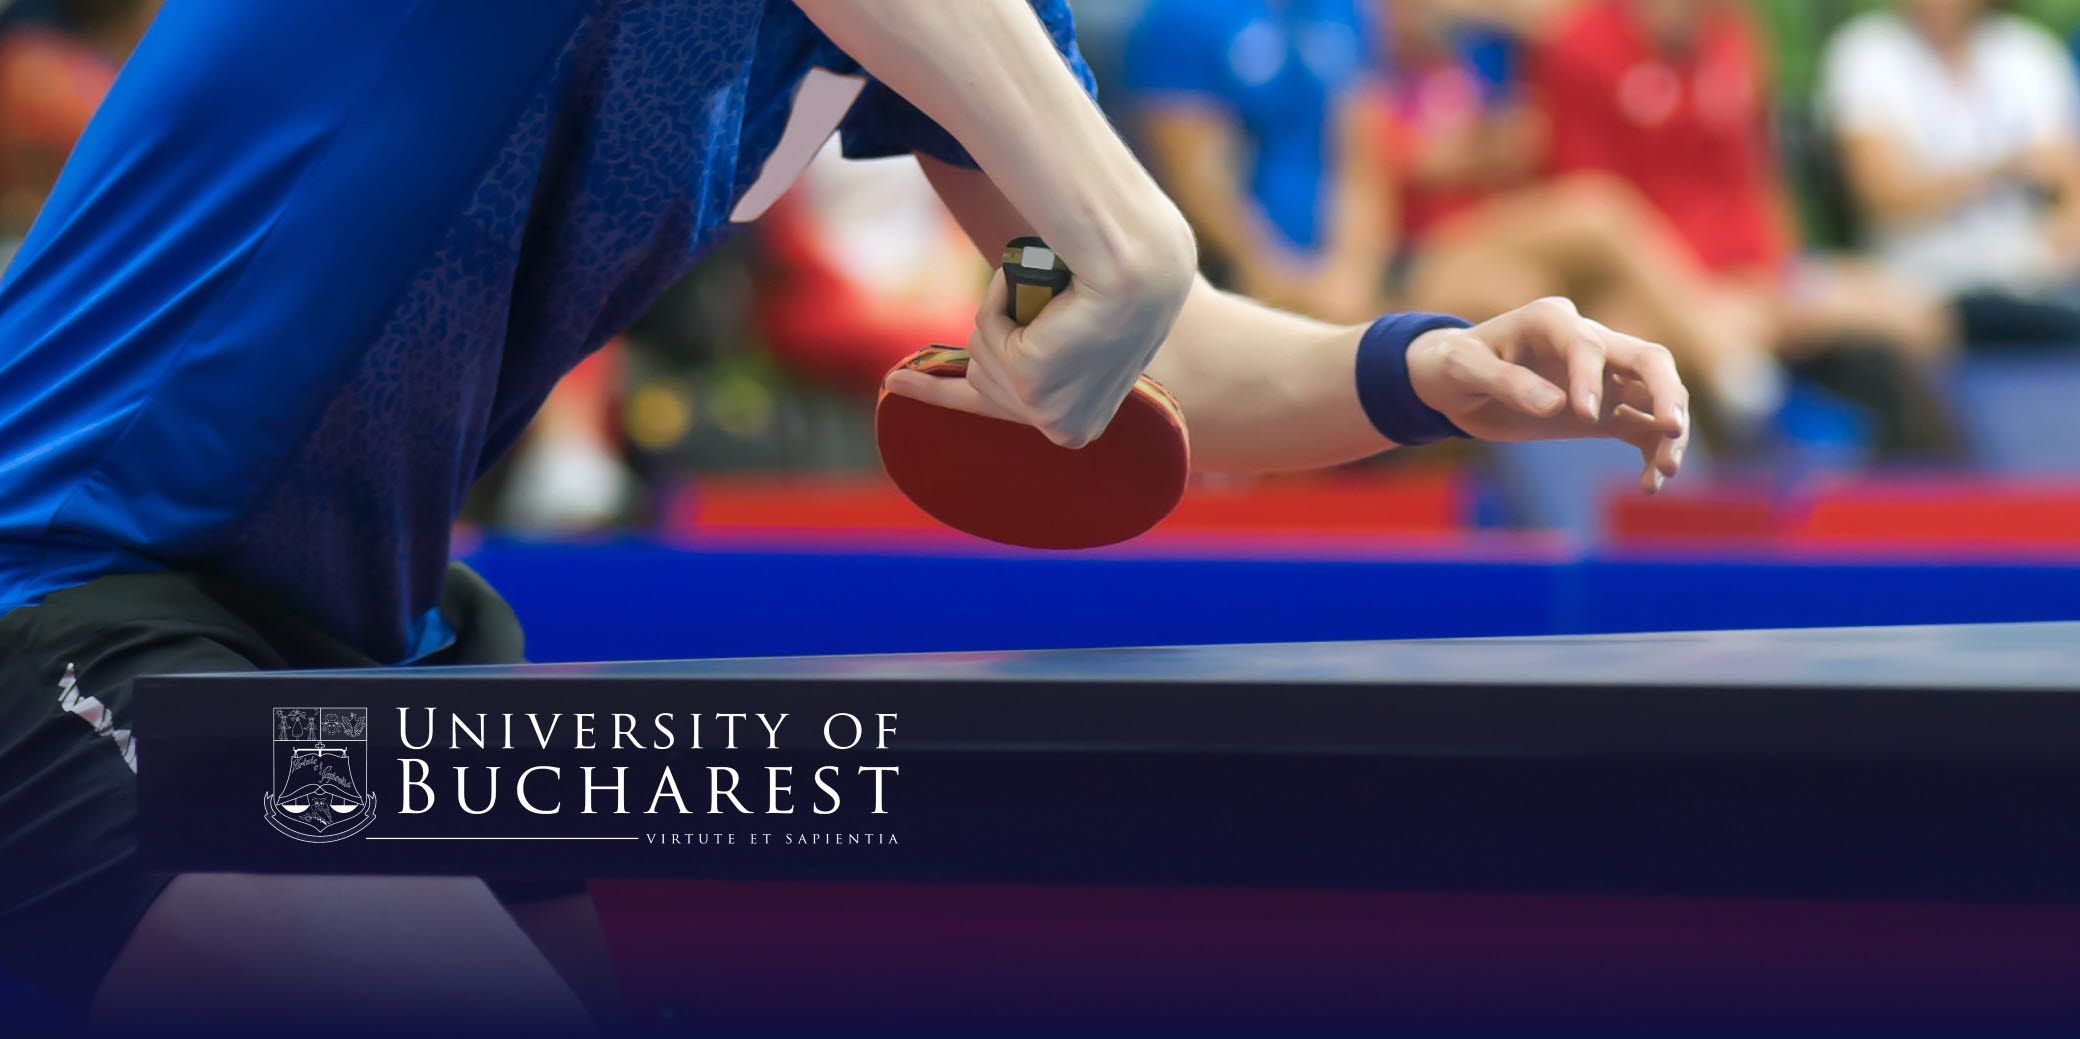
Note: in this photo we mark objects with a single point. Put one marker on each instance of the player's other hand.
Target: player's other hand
(1545, 372)
(1067, 372)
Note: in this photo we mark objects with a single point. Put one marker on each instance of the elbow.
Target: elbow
(1156, 253)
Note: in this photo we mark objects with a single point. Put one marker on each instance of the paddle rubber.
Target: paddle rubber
(1008, 483)
(1005, 481)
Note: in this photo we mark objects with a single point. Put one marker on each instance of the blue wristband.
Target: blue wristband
(1384, 389)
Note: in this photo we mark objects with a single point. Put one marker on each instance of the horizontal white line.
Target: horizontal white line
(505, 838)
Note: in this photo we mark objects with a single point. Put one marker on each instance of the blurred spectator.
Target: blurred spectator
(1959, 135)
(864, 266)
(52, 78)
(568, 475)
(1671, 96)
(1480, 233)
(1252, 114)
(1102, 27)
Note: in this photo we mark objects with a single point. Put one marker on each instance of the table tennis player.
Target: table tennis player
(314, 265)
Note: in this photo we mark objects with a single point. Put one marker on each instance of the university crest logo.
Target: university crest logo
(320, 757)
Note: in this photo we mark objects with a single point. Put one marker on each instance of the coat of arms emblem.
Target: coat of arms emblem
(320, 757)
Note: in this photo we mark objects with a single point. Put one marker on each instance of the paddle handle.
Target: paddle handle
(1034, 275)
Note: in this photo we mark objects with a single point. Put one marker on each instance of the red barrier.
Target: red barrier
(1961, 514)
(1948, 516)
(1716, 515)
(1400, 503)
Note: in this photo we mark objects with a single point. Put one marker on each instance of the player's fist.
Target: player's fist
(1545, 372)
(1067, 372)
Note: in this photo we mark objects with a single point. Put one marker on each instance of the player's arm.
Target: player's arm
(1265, 390)
(987, 72)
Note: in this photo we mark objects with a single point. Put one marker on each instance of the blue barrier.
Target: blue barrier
(635, 600)
(2017, 411)
(1702, 593)
(2015, 408)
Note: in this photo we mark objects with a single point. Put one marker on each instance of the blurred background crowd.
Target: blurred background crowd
(1856, 223)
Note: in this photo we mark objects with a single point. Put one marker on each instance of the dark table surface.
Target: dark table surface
(1935, 762)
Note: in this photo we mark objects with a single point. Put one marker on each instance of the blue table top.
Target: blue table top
(2044, 656)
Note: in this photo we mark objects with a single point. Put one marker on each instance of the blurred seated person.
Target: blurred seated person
(863, 267)
(1477, 226)
(1670, 96)
(1253, 115)
(1522, 18)
(52, 77)
(568, 474)
(1958, 130)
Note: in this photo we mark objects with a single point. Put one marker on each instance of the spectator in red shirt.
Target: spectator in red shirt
(1671, 96)
(1478, 229)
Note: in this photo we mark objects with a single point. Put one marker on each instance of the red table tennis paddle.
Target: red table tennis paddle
(1005, 481)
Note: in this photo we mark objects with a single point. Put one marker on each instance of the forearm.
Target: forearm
(1264, 390)
(986, 71)
(1889, 188)
(1906, 196)
(2059, 165)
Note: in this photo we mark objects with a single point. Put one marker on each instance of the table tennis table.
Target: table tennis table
(1934, 763)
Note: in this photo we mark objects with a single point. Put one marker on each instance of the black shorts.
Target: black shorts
(70, 890)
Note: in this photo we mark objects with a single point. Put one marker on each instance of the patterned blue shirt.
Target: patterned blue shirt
(316, 264)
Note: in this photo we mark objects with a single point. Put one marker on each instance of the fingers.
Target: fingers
(1477, 369)
(1634, 422)
(1554, 327)
(1585, 359)
(1655, 367)
(978, 394)
(1585, 377)
(993, 322)
(996, 360)
(958, 394)
(1666, 404)
(1643, 431)
(1621, 387)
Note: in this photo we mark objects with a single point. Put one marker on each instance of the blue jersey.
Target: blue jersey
(1279, 69)
(315, 265)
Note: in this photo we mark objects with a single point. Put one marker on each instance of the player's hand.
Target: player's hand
(1545, 372)
(1067, 372)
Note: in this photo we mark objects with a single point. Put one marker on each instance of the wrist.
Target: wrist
(1385, 388)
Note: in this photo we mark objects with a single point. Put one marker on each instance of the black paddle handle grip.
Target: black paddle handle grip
(1033, 277)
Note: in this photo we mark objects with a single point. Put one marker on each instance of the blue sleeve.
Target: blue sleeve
(882, 124)
(1178, 47)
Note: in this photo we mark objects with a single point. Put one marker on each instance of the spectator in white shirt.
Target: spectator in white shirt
(1959, 132)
